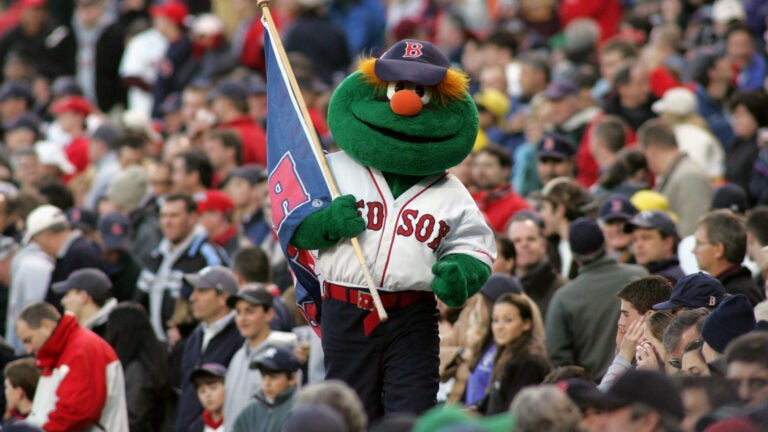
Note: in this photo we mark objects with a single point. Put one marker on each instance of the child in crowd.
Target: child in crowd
(20, 382)
(273, 403)
(208, 380)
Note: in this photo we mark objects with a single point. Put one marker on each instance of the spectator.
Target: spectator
(71, 113)
(702, 396)
(651, 354)
(144, 361)
(747, 368)
(274, 401)
(654, 245)
(555, 158)
(168, 18)
(192, 173)
(138, 67)
(757, 239)
(613, 54)
(184, 249)
(215, 209)
(16, 99)
(102, 153)
(208, 381)
(721, 243)
(215, 340)
(712, 79)
(614, 215)
(573, 338)
(21, 377)
(741, 51)
(545, 408)
(538, 277)
(115, 233)
(681, 176)
(212, 57)
(224, 149)
(495, 196)
(747, 117)
(48, 227)
(340, 397)
(732, 318)
(229, 102)
(253, 315)
(87, 293)
(693, 362)
(698, 290)
(631, 97)
(247, 185)
(22, 132)
(608, 137)
(82, 383)
(643, 397)
(570, 116)
(684, 329)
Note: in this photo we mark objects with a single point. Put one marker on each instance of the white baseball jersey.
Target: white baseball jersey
(404, 237)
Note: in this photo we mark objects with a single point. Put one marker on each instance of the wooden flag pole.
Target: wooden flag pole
(264, 5)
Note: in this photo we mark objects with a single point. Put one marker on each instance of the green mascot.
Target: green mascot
(401, 121)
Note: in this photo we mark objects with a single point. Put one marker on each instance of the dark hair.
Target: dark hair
(643, 293)
(500, 153)
(504, 39)
(658, 323)
(658, 134)
(131, 335)
(230, 140)
(131, 139)
(570, 195)
(738, 27)
(197, 161)
(206, 379)
(622, 76)
(716, 388)
(561, 373)
(623, 46)
(628, 162)
(189, 203)
(726, 228)
(34, 313)
(57, 194)
(756, 224)
(679, 325)
(538, 62)
(506, 247)
(749, 348)
(252, 264)
(23, 373)
(613, 131)
(755, 102)
(522, 343)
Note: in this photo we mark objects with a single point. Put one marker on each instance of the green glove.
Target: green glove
(458, 277)
(324, 228)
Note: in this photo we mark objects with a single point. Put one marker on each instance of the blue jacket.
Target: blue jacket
(712, 111)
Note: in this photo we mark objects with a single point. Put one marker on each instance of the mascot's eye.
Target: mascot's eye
(424, 93)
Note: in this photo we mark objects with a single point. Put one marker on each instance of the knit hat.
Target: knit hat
(585, 236)
(129, 187)
(499, 284)
(731, 319)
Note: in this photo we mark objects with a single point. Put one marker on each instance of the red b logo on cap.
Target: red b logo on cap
(413, 49)
(117, 230)
(616, 206)
(549, 144)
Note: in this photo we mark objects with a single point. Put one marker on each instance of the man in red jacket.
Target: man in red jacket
(229, 101)
(496, 197)
(82, 385)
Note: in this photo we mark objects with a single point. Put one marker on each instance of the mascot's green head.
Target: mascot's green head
(406, 113)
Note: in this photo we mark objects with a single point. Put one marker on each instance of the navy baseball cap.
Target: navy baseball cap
(231, 89)
(91, 280)
(213, 277)
(648, 387)
(16, 90)
(732, 318)
(82, 218)
(554, 146)
(254, 173)
(25, 121)
(171, 103)
(617, 207)
(412, 60)
(560, 89)
(730, 196)
(499, 284)
(257, 296)
(694, 291)
(116, 231)
(66, 86)
(208, 369)
(276, 359)
(652, 219)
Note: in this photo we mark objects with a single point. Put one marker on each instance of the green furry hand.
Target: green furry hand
(324, 228)
(458, 277)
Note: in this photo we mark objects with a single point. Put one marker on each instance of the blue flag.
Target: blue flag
(297, 186)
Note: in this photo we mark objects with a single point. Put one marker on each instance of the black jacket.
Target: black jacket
(522, 371)
(52, 50)
(79, 253)
(669, 268)
(540, 283)
(738, 280)
(110, 90)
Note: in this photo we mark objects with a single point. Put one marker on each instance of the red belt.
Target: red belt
(364, 300)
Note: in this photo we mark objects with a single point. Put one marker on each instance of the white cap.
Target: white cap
(677, 100)
(41, 219)
(724, 11)
(208, 25)
(311, 3)
(51, 153)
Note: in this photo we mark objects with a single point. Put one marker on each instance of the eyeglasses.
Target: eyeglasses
(754, 385)
(675, 363)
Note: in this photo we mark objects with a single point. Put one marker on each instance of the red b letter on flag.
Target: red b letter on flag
(413, 49)
(286, 190)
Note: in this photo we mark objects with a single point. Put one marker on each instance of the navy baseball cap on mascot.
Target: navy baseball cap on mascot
(401, 120)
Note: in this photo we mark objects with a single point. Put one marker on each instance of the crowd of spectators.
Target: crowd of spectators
(622, 162)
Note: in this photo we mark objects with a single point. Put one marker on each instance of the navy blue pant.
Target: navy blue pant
(395, 368)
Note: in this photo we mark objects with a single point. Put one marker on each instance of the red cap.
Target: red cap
(77, 104)
(33, 3)
(215, 200)
(173, 10)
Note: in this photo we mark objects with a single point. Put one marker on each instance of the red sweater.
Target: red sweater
(254, 139)
(499, 205)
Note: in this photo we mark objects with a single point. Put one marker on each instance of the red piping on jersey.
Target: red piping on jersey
(383, 200)
(484, 253)
(394, 233)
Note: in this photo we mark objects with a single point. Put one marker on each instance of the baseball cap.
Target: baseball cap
(73, 103)
(559, 89)
(255, 84)
(175, 11)
(66, 86)
(585, 236)
(648, 387)
(254, 173)
(91, 280)
(256, 296)
(106, 132)
(82, 218)
(213, 277)
(51, 153)
(412, 60)
(215, 200)
(649, 200)
(276, 359)
(677, 100)
(724, 11)
(207, 24)
(494, 101)
(732, 318)
(171, 103)
(231, 89)
(8, 247)
(16, 90)
(617, 207)
(208, 369)
(42, 218)
(694, 291)
(730, 196)
(25, 121)
(652, 219)
(554, 146)
(116, 231)
(499, 284)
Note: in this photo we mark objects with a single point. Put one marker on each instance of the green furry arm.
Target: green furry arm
(458, 277)
(323, 229)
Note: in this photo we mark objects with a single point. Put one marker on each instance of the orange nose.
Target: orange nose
(406, 103)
